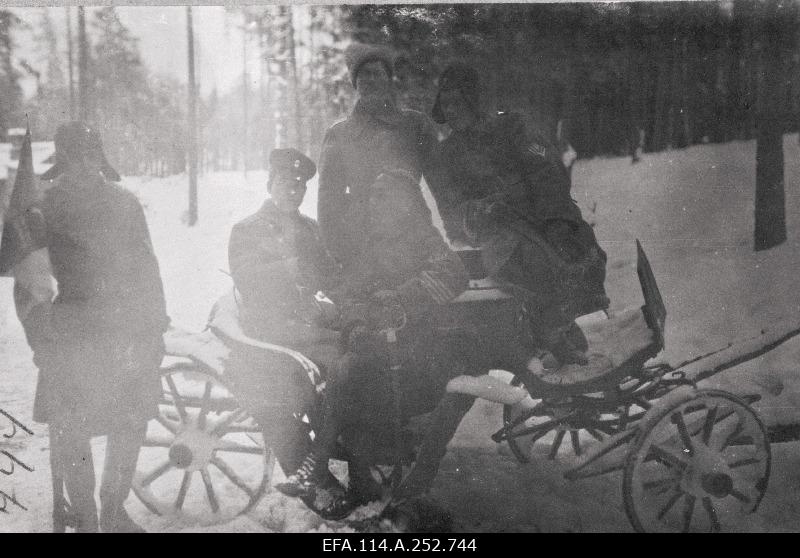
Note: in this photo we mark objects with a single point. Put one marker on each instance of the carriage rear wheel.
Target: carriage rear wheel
(698, 465)
(204, 458)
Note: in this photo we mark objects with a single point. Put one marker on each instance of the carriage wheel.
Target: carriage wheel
(558, 425)
(204, 459)
(702, 463)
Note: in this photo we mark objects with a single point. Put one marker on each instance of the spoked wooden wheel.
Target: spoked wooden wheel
(201, 434)
(698, 465)
(557, 424)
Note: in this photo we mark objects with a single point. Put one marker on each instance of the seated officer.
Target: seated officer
(278, 262)
(276, 256)
(405, 266)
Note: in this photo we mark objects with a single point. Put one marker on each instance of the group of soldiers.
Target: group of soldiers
(496, 186)
(375, 254)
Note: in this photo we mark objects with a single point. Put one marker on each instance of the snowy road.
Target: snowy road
(691, 208)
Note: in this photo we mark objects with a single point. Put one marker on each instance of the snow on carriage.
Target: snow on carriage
(691, 458)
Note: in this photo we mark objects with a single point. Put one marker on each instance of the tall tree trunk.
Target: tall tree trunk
(83, 67)
(298, 123)
(192, 121)
(245, 115)
(70, 64)
(661, 97)
(263, 94)
(632, 92)
(770, 205)
(685, 84)
(673, 96)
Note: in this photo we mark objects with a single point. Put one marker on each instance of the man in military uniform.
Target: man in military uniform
(278, 263)
(406, 266)
(508, 192)
(99, 344)
(358, 148)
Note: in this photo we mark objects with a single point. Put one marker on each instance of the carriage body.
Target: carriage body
(641, 415)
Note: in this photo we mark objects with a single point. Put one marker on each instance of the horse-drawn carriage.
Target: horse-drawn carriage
(691, 458)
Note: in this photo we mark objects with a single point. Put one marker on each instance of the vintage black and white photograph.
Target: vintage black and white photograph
(378, 268)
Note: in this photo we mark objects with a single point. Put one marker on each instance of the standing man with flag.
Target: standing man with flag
(98, 344)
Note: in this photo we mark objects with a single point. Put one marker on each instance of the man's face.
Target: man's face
(86, 165)
(456, 110)
(372, 81)
(287, 192)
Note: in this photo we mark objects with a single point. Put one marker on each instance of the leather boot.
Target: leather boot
(71, 459)
(443, 425)
(122, 452)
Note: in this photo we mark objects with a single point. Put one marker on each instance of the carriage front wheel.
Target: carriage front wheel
(204, 459)
(699, 463)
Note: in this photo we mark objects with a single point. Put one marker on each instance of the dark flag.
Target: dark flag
(23, 227)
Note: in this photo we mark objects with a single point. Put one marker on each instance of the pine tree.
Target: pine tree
(10, 90)
(51, 105)
(119, 86)
(50, 55)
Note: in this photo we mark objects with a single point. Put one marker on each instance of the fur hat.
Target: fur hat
(74, 139)
(459, 77)
(358, 54)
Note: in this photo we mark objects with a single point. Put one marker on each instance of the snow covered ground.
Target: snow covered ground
(692, 209)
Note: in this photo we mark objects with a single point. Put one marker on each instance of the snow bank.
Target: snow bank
(693, 211)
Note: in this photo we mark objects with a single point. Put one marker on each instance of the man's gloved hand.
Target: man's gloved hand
(484, 216)
(560, 235)
(496, 206)
(328, 314)
(386, 310)
(364, 340)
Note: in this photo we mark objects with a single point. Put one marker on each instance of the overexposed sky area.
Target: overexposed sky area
(161, 31)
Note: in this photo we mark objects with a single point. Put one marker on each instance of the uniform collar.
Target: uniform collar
(268, 209)
(67, 182)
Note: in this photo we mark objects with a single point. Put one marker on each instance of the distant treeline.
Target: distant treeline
(666, 74)
(682, 72)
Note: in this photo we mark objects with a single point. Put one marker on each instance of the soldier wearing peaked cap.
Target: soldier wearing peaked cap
(278, 262)
(99, 344)
(290, 162)
(276, 255)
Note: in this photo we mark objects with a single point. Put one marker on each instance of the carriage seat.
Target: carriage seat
(618, 348)
(204, 348)
(212, 347)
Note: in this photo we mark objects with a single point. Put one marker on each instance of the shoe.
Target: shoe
(418, 514)
(302, 483)
(547, 359)
(566, 353)
(334, 504)
(362, 484)
(576, 337)
(566, 347)
(120, 523)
